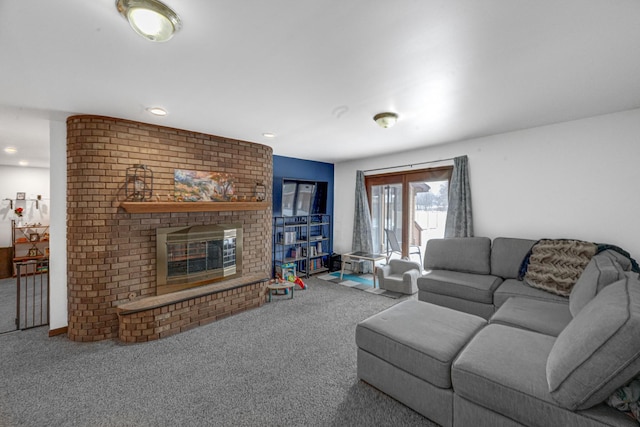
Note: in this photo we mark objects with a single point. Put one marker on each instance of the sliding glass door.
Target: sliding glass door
(411, 206)
(386, 213)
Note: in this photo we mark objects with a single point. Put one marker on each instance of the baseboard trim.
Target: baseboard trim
(58, 331)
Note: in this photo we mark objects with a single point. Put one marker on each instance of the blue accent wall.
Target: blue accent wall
(289, 167)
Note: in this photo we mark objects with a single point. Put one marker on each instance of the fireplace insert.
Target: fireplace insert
(197, 255)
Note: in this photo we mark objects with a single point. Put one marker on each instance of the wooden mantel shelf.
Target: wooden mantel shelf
(158, 207)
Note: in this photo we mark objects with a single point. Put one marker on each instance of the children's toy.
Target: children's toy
(286, 271)
(278, 285)
(298, 281)
(279, 281)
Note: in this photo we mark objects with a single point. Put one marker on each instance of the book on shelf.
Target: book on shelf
(289, 237)
(316, 264)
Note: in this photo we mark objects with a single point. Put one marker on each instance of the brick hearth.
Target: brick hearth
(164, 315)
(111, 253)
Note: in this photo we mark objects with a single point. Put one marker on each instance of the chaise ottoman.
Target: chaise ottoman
(406, 351)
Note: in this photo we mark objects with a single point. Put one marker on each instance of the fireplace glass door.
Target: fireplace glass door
(197, 255)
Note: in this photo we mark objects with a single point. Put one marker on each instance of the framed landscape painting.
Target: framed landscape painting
(197, 186)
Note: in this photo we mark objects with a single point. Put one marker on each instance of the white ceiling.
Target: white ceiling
(315, 72)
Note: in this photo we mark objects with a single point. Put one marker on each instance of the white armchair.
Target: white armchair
(399, 275)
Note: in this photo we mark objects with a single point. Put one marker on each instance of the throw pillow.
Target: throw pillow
(602, 270)
(599, 350)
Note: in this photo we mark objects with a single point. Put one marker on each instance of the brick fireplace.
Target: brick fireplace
(112, 253)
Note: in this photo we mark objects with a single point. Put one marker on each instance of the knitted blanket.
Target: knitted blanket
(555, 265)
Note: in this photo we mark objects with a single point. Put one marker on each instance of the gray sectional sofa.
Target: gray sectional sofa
(480, 347)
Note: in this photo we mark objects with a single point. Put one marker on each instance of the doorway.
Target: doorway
(410, 205)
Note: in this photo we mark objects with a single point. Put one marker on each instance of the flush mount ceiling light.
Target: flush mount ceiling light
(11, 150)
(151, 19)
(269, 135)
(157, 111)
(385, 120)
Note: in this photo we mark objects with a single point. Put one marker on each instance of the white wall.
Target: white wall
(575, 180)
(32, 181)
(58, 243)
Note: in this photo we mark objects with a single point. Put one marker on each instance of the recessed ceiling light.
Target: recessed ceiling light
(157, 111)
(23, 163)
(269, 135)
(151, 19)
(11, 150)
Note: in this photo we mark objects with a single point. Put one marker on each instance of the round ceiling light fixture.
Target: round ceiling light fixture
(157, 111)
(151, 19)
(385, 120)
(11, 150)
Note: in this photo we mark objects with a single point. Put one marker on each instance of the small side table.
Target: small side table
(362, 256)
(279, 287)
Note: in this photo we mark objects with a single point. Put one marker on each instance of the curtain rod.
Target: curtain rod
(409, 165)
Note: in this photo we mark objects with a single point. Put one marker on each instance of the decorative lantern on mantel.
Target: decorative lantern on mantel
(139, 184)
(261, 192)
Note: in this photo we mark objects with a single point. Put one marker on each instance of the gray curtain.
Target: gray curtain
(459, 217)
(362, 235)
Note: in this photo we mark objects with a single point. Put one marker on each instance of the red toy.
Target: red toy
(300, 283)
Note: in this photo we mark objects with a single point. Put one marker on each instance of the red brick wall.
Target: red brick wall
(111, 254)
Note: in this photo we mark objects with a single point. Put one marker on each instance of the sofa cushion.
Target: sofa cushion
(616, 255)
(472, 287)
(464, 254)
(503, 369)
(482, 309)
(517, 288)
(599, 350)
(419, 338)
(507, 255)
(545, 317)
(603, 269)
